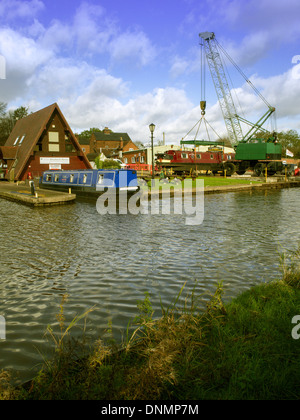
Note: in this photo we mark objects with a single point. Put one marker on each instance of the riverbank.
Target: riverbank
(23, 194)
(246, 349)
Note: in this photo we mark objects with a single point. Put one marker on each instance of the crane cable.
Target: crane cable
(243, 75)
(203, 71)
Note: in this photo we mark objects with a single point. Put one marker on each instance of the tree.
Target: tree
(9, 119)
(290, 140)
(139, 144)
(107, 163)
(87, 133)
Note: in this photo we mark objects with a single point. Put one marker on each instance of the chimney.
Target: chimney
(106, 130)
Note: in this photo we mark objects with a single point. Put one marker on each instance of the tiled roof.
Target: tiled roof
(102, 136)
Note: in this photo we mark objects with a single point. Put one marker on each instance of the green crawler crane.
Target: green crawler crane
(252, 153)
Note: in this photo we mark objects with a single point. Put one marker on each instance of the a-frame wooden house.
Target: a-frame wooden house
(41, 141)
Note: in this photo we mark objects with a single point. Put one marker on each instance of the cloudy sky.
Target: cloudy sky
(126, 64)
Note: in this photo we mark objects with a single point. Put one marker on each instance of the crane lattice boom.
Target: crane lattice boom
(222, 88)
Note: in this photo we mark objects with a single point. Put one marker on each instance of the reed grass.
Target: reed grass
(242, 350)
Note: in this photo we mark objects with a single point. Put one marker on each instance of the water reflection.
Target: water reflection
(111, 260)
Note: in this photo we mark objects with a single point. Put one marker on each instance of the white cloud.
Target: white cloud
(132, 45)
(162, 106)
(21, 53)
(14, 9)
(259, 27)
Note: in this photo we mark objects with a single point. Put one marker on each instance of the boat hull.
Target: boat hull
(91, 184)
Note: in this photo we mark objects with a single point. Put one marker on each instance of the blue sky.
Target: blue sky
(126, 64)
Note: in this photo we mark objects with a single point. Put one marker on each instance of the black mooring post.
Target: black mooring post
(32, 188)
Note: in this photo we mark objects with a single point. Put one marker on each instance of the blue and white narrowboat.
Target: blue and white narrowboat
(91, 182)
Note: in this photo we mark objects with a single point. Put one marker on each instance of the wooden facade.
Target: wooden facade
(39, 142)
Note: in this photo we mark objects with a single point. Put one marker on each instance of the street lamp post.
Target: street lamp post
(152, 128)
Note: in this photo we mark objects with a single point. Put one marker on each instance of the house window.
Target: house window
(125, 160)
(39, 146)
(53, 137)
(53, 147)
(133, 159)
(69, 147)
(142, 159)
(21, 140)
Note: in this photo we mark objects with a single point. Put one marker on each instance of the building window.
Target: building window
(125, 160)
(21, 141)
(53, 147)
(69, 147)
(142, 159)
(133, 159)
(53, 137)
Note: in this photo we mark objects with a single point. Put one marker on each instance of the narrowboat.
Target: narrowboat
(181, 161)
(91, 183)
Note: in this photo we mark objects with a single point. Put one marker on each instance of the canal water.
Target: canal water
(108, 261)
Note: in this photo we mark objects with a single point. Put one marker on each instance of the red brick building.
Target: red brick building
(43, 140)
(137, 156)
(110, 143)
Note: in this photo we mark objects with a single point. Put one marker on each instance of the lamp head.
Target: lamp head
(152, 127)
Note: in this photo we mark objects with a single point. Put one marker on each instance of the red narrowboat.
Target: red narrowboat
(183, 161)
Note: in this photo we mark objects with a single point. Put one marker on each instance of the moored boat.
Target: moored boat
(182, 161)
(91, 183)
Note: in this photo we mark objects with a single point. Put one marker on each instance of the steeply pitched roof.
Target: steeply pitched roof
(27, 132)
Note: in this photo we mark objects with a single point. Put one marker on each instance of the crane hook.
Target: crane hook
(202, 107)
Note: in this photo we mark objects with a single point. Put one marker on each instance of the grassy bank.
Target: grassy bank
(214, 181)
(241, 350)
